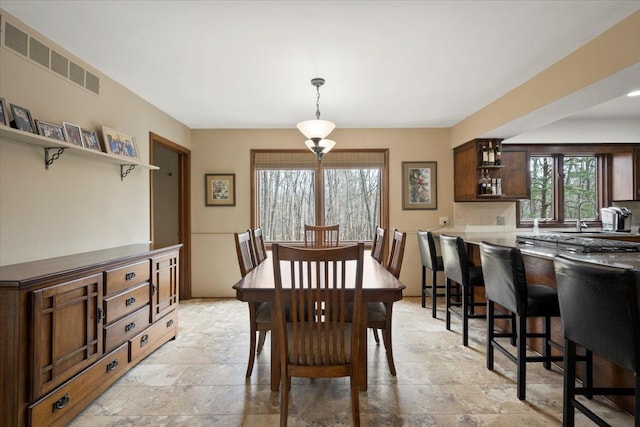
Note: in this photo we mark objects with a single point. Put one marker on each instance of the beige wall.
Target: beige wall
(80, 203)
(215, 267)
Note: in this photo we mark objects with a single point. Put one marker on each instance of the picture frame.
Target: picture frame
(50, 130)
(72, 133)
(220, 189)
(3, 113)
(120, 144)
(90, 139)
(419, 185)
(22, 119)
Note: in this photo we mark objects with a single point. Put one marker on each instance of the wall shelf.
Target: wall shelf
(54, 149)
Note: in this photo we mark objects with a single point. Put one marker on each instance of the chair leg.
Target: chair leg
(447, 298)
(588, 373)
(465, 316)
(375, 335)
(252, 338)
(284, 400)
(546, 351)
(514, 334)
(386, 336)
(569, 392)
(355, 401)
(262, 335)
(424, 286)
(434, 293)
(521, 376)
(637, 407)
(490, 332)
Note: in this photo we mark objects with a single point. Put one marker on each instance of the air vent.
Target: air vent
(38, 52)
(15, 39)
(76, 73)
(92, 83)
(59, 64)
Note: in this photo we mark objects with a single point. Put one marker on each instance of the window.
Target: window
(290, 190)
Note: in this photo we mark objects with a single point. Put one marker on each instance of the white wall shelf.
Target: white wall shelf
(53, 149)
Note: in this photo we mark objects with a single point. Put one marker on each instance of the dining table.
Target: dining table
(378, 285)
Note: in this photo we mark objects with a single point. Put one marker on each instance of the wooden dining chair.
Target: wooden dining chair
(259, 246)
(379, 244)
(259, 312)
(321, 236)
(316, 338)
(378, 313)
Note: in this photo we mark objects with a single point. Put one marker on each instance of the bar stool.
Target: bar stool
(506, 284)
(458, 269)
(600, 307)
(433, 262)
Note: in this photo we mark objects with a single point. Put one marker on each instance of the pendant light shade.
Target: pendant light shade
(323, 146)
(317, 130)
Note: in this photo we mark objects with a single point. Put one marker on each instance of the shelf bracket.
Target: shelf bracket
(123, 172)
(48, 160)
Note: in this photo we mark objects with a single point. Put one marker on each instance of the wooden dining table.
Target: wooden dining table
(378, 285)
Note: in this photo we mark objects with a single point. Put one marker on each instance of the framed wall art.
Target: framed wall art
(419, 185)
(220, 189)
(22, 119)
(50, 130)
(90, 139)
(120, 144)
(3, 113)
(72, 133)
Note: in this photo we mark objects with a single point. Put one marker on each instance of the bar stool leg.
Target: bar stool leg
(521, 376)
(434, 293)
(465, 316)
(490, 332)
(448, 305)
(424, 286)
(569, 394)
(547, 346)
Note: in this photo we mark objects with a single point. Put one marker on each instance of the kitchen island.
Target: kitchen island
(539, 268)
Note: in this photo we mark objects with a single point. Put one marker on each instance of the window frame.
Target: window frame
(319, 185)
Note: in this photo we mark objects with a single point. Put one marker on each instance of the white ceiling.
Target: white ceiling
(248, 64)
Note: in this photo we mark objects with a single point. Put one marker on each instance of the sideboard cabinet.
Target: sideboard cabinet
(71, 326)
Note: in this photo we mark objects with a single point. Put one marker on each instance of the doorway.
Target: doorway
(170, 198)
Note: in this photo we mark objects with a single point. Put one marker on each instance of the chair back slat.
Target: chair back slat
(244, 251)
(397, 252)
(321, 236)
(379, 244)
(259, 246)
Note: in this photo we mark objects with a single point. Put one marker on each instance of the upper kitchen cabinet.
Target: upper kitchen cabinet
(487, 170)
(624, 166)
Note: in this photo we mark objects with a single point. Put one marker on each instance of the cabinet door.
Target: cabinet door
(465, 183)
(515, 173)
(67, 331)
(164, 287)
(637, 175)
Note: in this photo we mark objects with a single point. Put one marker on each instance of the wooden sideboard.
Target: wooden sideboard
(71, 326)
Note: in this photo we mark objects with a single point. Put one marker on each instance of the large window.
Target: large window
(290, 190)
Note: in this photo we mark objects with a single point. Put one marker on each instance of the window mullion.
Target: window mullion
(319, 194)
(558, 187)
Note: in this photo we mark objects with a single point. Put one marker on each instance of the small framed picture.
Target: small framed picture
(90, 139)
(3, 113)
(22, 119)
(220, 189)
(50, 130)
(120, 144)
(419, 186)
(72, 133)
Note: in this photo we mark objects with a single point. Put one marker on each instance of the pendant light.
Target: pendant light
(317, 130)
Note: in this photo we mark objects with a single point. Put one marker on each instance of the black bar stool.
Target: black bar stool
(431, 261)
(600, 312)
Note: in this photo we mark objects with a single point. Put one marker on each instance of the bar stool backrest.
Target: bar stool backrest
(455, 259)
(504, 276)
(427, 246)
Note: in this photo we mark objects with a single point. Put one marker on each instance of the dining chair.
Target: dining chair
(379, 314)
(320, 236)
(259, 246)
(600, 311)
(259, 312)
(458, 269)
(430, 261)
(315, 337)
(506, 285)
(379, 244)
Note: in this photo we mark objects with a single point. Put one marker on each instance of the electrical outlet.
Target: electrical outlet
(500, 220)
(444, 220)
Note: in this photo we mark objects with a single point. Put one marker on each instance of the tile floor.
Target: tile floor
(198, 380)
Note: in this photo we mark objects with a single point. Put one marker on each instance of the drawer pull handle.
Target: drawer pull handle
(144, 340)
(130, 301)
(130, 327)
(112, 365)
(130, 276)
(61, 403)
(169, 323)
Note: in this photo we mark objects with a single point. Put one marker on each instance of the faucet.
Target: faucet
(579, 224)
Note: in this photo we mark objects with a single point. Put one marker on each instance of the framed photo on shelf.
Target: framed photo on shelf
(22, 119)
(220, 189)
(72, 133)
(419, 186)
(3, 113)
(50, 130)
(120, 144)
(90, 139)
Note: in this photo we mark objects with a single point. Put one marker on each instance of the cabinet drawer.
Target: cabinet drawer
(124, 303)
(146, 342)
(125, 328)
(124, 277)
(61, 405)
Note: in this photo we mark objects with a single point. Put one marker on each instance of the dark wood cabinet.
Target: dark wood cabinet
(508, 180)
(71, 326)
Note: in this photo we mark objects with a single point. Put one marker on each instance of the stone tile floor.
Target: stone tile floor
(199, 380)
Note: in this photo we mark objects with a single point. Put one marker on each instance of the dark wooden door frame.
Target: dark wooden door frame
(184, 206)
